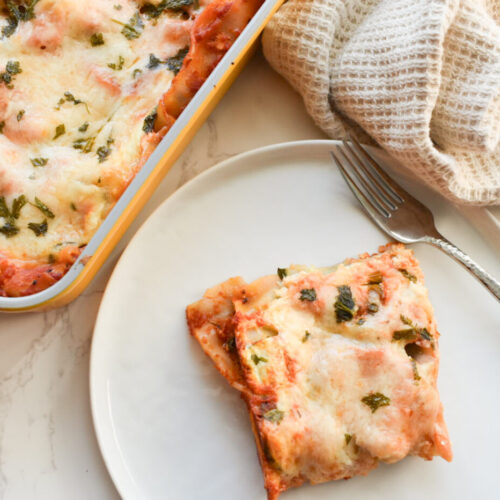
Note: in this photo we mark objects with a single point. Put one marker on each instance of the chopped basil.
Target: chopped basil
(17, 205)
(424, 333)
(117, 7)
(4, 209)
(12, 69)
(306, 336)
(308, 294)
(84, 127)
(60, 130)
(85, 144)
(174, 63)
(149, 121)
(133, 29)
(2, 125)
(9, 229)
(154, 62)
(257, 359)
(136, 72)
(275, 416)
(344, 305)
(43, 208)
(20, 115)
(104, 151)
(408, 275)
(119, 65)
(153, 11)
(18, 11)
(39, 162)
(347, 438)
(39, 228)
(375, 400)
(406, 334)
(282, 273)
(97, 39)
(69, 97)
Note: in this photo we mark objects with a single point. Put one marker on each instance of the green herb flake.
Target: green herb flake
(97, 39)
(103, 153)
(372, 308)
(174, 63)
(69, 97)
(375, 400)
(257, 359)
(85, 144)
(117, 7)
(73, 207)
(308, 294)
(43, 208)
(12, 69)
(306, 336)
(154, 62)
(119, 65)
(406, 334)
(133, 29)
(344, 305)
(18, 11)
(2, 125)
(51, 259)
(408, 275)
(424, 333)
(149, 121)
(152, 11)
(136, 73)
(9, 229)
(20, 115)
(347, 438)
(60, 130)
(4, 209)
(282, 272)
(39, 228)
(275, 416)
(83, 128)
(39, 162)
(17, 206)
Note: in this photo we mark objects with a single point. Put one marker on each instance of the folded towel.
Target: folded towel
(420, 77)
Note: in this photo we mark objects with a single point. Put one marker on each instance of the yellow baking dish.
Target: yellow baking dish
(146, 181)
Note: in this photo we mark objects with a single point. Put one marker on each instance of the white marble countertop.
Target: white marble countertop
(47, 444)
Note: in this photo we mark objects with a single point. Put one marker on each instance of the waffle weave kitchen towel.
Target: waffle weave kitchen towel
(421, 77)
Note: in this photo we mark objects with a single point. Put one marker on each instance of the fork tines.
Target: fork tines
(374, 189)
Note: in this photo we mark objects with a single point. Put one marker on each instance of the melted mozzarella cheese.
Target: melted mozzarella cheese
(330, 396)
(56, 57)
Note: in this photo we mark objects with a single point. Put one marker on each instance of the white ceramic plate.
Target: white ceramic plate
(168, 424)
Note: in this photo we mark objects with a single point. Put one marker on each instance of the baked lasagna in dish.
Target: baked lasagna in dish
(338, 366)
(87, 90)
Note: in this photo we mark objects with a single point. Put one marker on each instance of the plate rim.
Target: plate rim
(100, 424)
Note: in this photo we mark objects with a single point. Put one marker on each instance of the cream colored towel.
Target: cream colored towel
(421, 77)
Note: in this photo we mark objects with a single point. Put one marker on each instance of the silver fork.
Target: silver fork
(394, 210)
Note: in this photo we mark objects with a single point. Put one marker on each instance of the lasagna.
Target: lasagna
(87, 90)
(338, 366)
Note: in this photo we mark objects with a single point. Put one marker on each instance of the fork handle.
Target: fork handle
(484, 277)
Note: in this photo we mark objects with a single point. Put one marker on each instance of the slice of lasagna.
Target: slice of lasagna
(338, 366)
